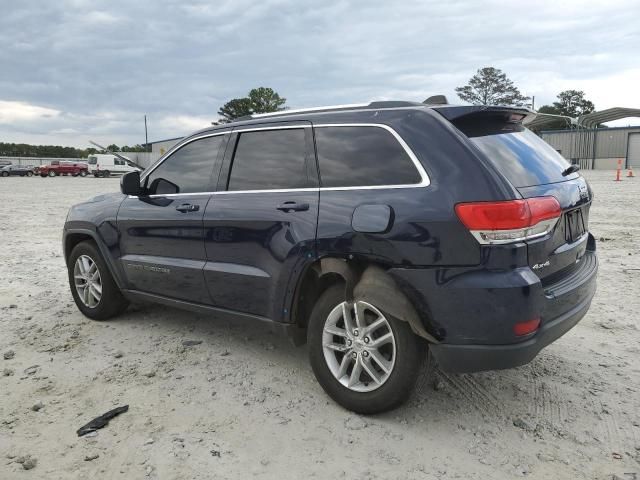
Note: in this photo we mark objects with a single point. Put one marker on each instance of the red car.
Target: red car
(57, 168)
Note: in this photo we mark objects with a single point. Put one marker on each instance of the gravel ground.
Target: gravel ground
(244, 402)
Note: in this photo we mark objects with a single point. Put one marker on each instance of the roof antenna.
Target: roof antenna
(436, 100)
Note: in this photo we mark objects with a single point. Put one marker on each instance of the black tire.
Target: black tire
(52, 173)
(410, 353)
(106, 173)
(5, 174)
(112, 302)
(29, 174)
(83, 173)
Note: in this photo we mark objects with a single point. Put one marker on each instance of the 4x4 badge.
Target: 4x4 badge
(538, 266)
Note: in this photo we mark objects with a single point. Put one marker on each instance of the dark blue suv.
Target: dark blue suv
(374, 232)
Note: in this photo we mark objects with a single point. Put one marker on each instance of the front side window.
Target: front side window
(269, 159)
(362, 156)
(187, 170)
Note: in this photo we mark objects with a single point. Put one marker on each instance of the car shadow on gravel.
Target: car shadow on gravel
(501, 395)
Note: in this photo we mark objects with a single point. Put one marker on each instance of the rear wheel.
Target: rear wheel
(5, 174)
(366, 360)
(106, 173)
(29, 174)
(95, 292)
(83, 173)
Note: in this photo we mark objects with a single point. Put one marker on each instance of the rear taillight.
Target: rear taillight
(509, 221)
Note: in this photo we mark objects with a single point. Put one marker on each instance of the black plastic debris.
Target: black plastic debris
(101, 421)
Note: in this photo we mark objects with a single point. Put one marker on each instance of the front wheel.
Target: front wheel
(365, 359)
(52, 173)
(95, 292)
(5, 174)
(83, 173)
(29, 174)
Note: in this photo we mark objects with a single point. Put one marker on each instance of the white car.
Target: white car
(105, 165)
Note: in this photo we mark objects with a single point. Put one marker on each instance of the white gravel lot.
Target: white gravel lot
(244, 402)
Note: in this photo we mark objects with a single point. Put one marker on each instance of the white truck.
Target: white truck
(107, 164)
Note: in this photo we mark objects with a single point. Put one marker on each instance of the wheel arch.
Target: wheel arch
(363, 280)
(71, 238)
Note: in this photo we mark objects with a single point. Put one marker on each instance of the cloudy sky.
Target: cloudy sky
(74, 70)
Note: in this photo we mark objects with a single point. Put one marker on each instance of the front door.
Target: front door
(161, 232)
(260, 226)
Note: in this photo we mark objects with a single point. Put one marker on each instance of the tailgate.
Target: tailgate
(559, 253)
(535, 169)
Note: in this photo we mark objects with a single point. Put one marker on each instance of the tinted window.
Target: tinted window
(188, 170)
(523, 157)
(362, 156)
(269, 159)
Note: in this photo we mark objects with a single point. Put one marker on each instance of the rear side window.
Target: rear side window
(362, 156)
(187, 170)
(269, 159)
(519, 154)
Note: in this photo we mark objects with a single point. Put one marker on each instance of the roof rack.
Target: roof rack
(380, 104)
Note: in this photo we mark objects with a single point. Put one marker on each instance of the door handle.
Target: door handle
(293, 207)
(187, 207)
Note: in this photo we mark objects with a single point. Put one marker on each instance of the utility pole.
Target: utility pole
(533, 102)
(146, 138)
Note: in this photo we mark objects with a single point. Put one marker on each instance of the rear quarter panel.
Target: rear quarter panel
(425, 229)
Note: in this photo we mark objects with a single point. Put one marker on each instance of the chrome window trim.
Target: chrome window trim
(424, 178)
(425, 181)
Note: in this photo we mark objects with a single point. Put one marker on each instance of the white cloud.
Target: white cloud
(17, 112)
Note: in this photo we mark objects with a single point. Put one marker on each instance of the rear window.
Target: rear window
(519, 154)
(362, 156)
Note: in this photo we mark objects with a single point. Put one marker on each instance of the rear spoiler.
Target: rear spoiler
(511, 114)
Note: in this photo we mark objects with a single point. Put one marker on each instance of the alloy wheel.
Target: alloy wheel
(87, 281)
(359, 346)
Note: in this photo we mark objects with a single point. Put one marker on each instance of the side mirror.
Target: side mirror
(130, 184)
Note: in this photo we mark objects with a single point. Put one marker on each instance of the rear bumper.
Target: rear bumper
(474, 313)
(477, 358)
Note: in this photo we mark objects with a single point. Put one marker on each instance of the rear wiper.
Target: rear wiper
(573, 168)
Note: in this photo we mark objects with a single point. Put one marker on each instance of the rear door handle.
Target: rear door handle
(293, 207)
(187, 207)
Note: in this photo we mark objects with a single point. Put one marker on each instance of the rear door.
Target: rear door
(161, 232)
(260, 226)
(536, 169)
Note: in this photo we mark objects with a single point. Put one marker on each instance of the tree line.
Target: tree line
(56, 151)
(489, 86)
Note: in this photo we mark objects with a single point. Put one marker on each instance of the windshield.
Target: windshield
(93, 160)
